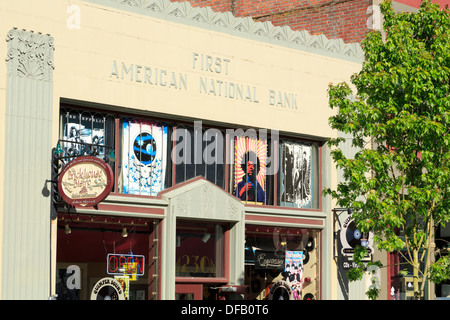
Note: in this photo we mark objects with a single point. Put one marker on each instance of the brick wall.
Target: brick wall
(345, 19)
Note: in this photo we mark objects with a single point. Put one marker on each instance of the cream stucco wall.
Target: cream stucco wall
(84, 59)
(91, 38)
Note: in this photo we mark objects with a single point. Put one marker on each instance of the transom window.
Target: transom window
(153, 155)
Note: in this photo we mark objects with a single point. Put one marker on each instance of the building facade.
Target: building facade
(349, 20)
(211, 130)
(344, 19)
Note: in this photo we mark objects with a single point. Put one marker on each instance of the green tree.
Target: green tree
(398, 184)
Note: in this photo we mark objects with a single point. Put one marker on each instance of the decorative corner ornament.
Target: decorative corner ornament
(30, 54)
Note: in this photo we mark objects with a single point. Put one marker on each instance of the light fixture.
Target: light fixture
(206, 237)
(58, 149)
(124, 232)
(112, 156)
(67, 229)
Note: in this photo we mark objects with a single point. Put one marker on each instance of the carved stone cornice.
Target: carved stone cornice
(242, 26)
(30, 54)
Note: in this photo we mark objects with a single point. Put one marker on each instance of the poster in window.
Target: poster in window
(125, 284)
(296, 172)
(144, 165)
(250, 169)
(294, 272)
(80, 130)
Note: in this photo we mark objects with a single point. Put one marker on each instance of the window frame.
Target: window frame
(228, 153)
(224, 252)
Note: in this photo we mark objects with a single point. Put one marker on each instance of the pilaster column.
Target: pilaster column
(28, 133)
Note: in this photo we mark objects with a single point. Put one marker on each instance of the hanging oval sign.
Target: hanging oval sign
(85, 181)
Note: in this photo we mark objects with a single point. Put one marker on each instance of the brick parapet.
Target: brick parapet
(336, 19)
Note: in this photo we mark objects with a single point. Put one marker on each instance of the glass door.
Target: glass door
(188, 292)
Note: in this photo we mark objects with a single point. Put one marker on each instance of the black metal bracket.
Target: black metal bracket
(336, 213)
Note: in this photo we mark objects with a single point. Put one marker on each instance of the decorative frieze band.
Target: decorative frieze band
(263, 31)
(30, 54)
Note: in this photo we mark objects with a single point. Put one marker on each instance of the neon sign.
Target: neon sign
(125, 264)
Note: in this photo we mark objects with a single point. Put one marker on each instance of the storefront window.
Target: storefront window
(442, 240)
(199, 152)
(199, 250)
(298, 178)
(145, 157)
(86, 133)
(91, 248)
(282, 263)
(153, 155)
(401, 277)
(251, 182)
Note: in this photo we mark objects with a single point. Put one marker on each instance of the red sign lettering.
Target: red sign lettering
(122, 264)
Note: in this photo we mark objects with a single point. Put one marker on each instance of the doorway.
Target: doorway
(188, 292)
(93, 247)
